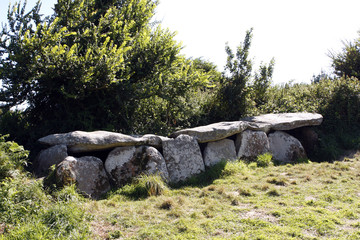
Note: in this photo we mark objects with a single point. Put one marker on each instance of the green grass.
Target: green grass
(234, 200)
(303, 201)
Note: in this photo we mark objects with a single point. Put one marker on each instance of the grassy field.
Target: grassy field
(233, 200)
(240, 201)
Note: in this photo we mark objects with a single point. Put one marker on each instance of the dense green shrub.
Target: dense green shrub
(91, 66)
(12, 158)
(240, 89)
(27, 211)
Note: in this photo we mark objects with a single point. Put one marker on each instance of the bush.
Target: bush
(12, 157)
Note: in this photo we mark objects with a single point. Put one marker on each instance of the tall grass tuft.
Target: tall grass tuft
(144, 186)
(264, 160)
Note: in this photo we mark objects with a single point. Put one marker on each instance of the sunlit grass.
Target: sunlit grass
(303, 201)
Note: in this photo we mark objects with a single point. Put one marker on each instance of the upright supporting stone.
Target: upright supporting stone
(220, 150)
(122, 164)
(155, 163)
(183, 157)
(250, 144)
(48, 157)
(285, 148)
(125, 163)
(86, 172)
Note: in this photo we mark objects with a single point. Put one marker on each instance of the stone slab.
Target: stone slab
(284, 121)
(213, 132)
(80, 141)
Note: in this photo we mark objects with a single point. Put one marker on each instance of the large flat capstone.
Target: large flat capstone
(79, 141)
(213, 132)
(283, 121)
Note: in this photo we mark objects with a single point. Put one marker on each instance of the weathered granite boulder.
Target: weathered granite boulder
(223, 149)
(183, 157)
(250, 144)
(86, 172)
(125, 163)
(48, 157)
(155, 163)
(79, 141)
(213, 132)
(283, 121)
(259, 126)
(285, 148)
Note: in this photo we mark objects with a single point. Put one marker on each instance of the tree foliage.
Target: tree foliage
(92, 65)
(347, 62)
(241, 89)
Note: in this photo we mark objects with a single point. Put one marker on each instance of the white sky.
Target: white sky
(298, 34)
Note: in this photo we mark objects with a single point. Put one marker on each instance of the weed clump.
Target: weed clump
(264, 160)
(144, 186)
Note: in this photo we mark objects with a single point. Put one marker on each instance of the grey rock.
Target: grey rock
(155, 163)
(79, 141)
(183, 157)
(125, 163)
(259, 126)
(86, 172)
(48, 157)
(285, 148)
(213, 132)
(250, 144)
(284, 121)
(215, 152)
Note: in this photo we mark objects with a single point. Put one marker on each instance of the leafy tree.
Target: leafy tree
(239, 85)
(347, 62)
(262, 81)
(91, 65)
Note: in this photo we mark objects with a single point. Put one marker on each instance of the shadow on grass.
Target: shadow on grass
(203, 179)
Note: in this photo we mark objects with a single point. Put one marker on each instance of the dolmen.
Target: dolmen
(97, 160)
